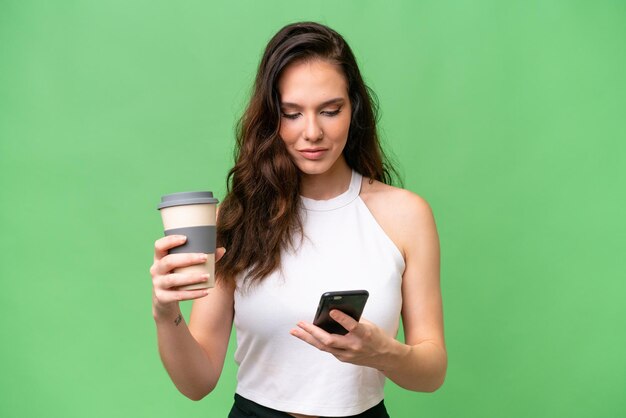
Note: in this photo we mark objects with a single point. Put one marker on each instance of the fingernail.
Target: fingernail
(203, 257)
(205, 277)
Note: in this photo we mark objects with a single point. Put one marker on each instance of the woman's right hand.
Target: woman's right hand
(165, 292)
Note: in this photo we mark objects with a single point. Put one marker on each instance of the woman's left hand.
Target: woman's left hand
(365, 344)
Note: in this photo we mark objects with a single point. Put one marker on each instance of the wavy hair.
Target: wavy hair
(260, 213)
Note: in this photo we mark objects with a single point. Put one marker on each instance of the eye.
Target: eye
(291, 115)
(331, 112)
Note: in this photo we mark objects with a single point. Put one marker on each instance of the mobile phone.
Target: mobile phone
(350, 302)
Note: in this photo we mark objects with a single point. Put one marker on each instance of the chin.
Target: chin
(313, 169)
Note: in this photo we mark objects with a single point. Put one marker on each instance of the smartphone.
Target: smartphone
(350, 302)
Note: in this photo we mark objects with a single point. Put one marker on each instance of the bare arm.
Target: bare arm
(420, 364)
(192, 355)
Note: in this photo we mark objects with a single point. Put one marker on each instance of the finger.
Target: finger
(162, 245)
(327, 339)
(171, 296)
(191, 294)
(172, 261)
(345, 321)
(306, 336)
(219, 253)
(173, 280)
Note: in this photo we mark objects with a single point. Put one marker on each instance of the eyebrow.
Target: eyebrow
(326, 103)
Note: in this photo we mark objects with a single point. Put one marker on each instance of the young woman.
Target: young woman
(310, 209)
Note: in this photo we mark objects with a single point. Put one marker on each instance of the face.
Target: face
(315, 115)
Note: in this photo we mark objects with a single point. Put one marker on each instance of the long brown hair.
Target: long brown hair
(260, 213)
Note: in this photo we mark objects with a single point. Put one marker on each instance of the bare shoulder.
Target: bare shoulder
(395, 201)
(401, 213)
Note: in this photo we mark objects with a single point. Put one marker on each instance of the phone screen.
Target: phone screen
(350, 302)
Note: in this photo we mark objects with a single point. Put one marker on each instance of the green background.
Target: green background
(508, 117)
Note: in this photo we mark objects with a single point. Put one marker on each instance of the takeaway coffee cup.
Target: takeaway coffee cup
(192, 214)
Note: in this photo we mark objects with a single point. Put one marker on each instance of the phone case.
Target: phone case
(350, 302)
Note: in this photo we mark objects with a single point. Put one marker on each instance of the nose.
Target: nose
(312, 130)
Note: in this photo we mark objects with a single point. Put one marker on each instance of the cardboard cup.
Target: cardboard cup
(192, 214)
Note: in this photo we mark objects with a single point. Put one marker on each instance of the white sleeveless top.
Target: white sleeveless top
(344, 248)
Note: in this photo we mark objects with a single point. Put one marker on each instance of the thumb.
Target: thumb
(219, 253)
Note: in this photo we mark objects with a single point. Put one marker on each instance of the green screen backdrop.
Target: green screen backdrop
(507, 116)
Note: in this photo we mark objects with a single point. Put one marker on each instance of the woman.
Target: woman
(309, 210)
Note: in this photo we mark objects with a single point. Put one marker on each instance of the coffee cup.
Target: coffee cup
(192, 214)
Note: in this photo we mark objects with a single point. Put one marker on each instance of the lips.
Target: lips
(313, 153)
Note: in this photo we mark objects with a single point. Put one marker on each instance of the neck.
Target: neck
(327, 185)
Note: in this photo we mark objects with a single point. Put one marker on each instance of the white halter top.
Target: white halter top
(344, 248)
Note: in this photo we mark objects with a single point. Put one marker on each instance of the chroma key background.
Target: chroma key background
(507, 116)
